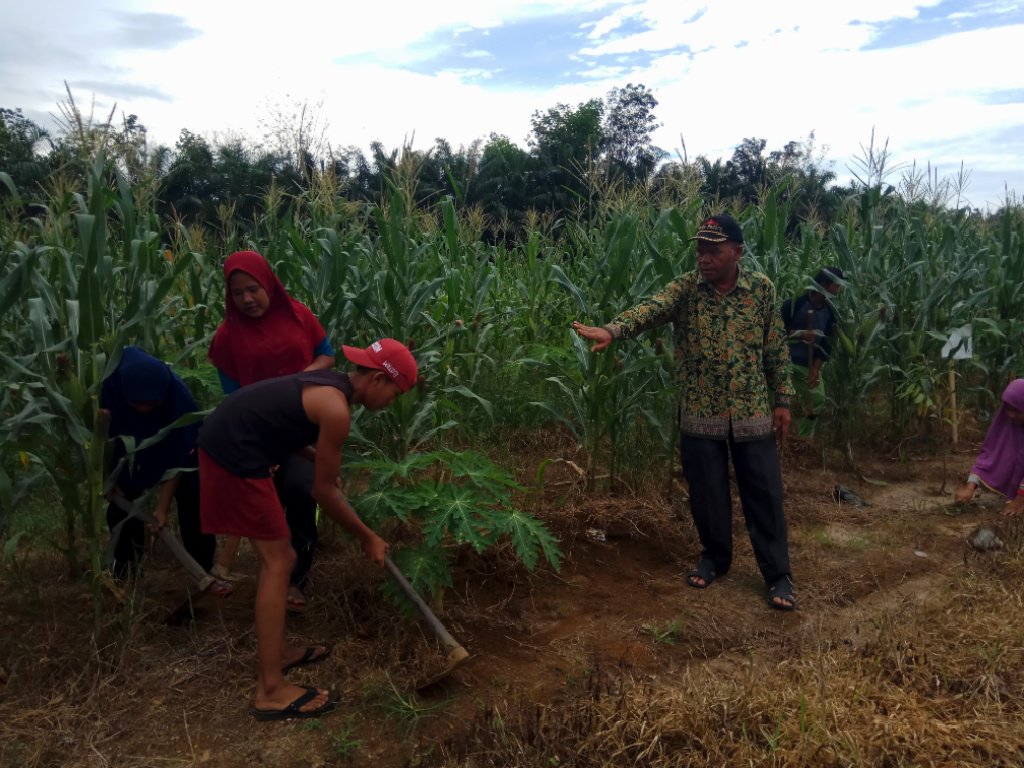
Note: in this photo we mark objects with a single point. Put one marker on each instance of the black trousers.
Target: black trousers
(706, 466)
(294, 483)
(132, 541)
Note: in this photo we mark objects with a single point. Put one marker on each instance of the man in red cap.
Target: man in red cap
(240, 443)
(733, 374)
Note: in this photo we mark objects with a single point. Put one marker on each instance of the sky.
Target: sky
(939, 82)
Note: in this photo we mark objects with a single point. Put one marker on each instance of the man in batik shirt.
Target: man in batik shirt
(734, 391)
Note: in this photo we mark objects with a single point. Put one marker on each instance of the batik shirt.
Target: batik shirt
(730, 350)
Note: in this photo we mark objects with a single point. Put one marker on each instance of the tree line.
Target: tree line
(575, 158)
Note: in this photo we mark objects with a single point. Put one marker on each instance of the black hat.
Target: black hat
(718, 229)
(828, 275)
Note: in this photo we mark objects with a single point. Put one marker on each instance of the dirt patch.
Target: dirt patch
(901, 646)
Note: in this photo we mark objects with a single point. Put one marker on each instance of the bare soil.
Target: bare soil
(907, 647)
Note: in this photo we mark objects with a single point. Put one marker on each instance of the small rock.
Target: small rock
(984, 539)
(844, 495)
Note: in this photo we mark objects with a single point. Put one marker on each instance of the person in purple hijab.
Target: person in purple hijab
(140, 398)
(1000, 463)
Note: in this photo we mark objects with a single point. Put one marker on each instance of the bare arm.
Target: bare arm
(105, 421)
(327, 408)
(320, 362)
(163, 502)
(814, 372)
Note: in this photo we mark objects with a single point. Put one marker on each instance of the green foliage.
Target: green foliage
(342, 740)
(409, 245)
(451, 499)
(94, 280)
(628, 124)
(405, 709)
(665, 633)
(599, 395)
(21, 145)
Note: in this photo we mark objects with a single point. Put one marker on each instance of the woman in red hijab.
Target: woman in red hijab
(266, 333)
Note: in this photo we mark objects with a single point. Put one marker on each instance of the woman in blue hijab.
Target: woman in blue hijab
(142, 397)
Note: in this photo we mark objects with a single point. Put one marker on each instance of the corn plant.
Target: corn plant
(70, 304)
(599, 395)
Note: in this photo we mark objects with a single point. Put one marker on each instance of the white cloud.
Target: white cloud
(780, 69)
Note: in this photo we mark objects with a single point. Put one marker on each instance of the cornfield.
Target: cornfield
(87, 271)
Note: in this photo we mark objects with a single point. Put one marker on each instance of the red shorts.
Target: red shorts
(230, 505)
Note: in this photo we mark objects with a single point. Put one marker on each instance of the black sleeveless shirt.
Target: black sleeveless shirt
(260, 425)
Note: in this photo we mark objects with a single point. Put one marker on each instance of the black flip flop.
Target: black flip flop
(782, 589)
(705, 570)
(293, 711)
(309, 656)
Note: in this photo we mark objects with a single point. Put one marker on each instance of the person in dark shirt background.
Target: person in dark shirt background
(139, 399)
(811, 321)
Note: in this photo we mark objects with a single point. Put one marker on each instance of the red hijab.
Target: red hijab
(279, 342)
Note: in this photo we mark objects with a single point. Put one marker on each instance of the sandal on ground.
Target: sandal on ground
(221, 588)
(296, 600)
(782, 589)
(294, 710)
(705, 570)
(224, 574)
(309, 656)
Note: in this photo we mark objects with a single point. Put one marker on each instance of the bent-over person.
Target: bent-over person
(1000, 463)
(252, 431)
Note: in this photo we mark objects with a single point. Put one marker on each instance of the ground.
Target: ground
(907, 647)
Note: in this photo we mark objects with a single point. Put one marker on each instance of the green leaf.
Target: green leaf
(11, 546)
(379, 505)
(466, 392)
(425, 567)
(529, 537)
(456, 513)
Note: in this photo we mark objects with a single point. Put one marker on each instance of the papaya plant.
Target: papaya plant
(449, 499)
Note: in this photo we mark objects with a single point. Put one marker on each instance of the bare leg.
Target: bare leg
(226, 555)
(277, 558)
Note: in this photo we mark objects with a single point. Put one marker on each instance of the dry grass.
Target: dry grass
(939, 688)
(893, 659)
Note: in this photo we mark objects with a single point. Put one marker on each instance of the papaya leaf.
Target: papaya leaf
(529, 536)
(377, 506)
(425, 567)
(455, 513)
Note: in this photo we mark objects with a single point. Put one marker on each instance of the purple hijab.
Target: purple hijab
(1000, 462)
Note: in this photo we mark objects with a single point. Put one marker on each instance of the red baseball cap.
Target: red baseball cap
(387, 355)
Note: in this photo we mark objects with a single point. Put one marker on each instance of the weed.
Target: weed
(834, 539)
(405, 709)
(775, 736)
(342, 740)
(665, 633)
